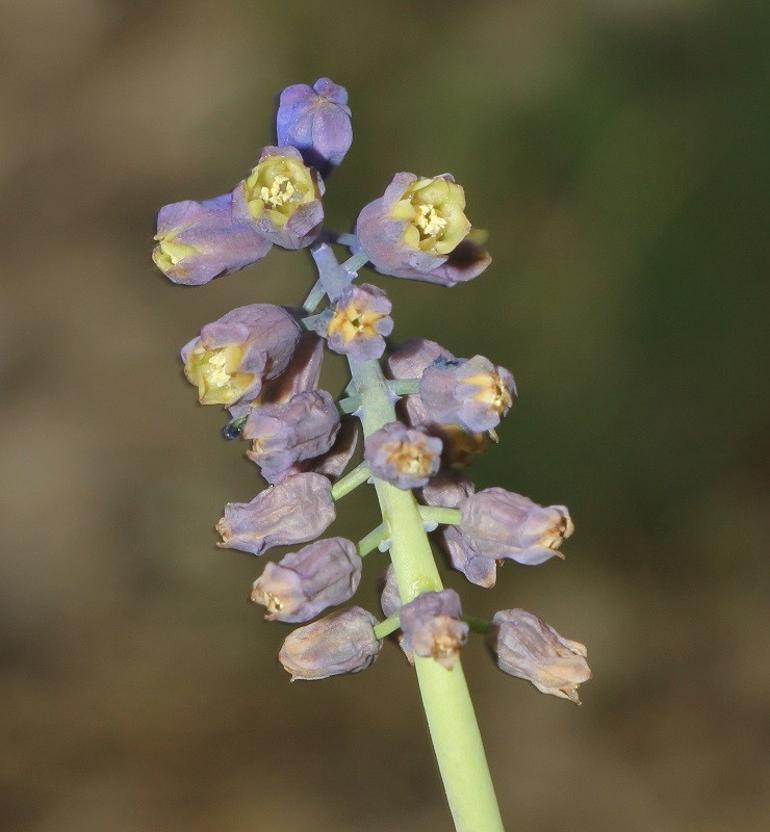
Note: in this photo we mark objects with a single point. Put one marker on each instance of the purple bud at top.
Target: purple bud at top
(501, 524)
(304, 583)
(235, 354)
(283, 434)
(473, 394)
(402, 456)
(343, 642)
(281, 198)
(390, 598)
(198, 241)
(359, 321)
(528, 648)
(298, 509)
(418, 230)
(433, 627)
(316, 121)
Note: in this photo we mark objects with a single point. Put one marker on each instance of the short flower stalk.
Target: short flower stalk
(424, 414)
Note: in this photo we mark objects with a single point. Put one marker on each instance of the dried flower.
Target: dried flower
(433, 627)
(316, 121)
(501, 524)
(359, 321)
(304, 583)
(297, 510)
(282, 198)
(234, 355)
(343, 642)
(390, 597)
(283, 434)
(198, 241)
(528, 648)
(418, 230)
(404, 457)
(473, 394)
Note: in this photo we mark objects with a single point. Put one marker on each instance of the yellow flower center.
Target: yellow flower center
(410, 458)
(278, 186)
(170, 251)
(434, 211)
(492, 391)
(351, 321)
(215, 373)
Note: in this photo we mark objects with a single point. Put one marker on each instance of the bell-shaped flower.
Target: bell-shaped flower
(316, 121)
(298, 509)
(284, 434)
(402, 456)
(357, 323)
(418, 230)
(342, 642)
(432, 626)
(198, 241)
(501, 524)
(233, 356)
(306, 582)
(473, 393)
(450, 489)
(526, 647)
(281, 198)
(333, 463)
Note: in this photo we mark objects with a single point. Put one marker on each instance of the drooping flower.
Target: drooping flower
(359, 321)
(473, 393)
(501, 524)
(450, 489)
(418, 230)
(343, 642)
(409, 361)
(306, 582)
(281, 198)
(530, 649)
(432, 626)
(316, 121)
(283, 434)
(298, 509)
(404, 457)
(233, 356)
(198, 241)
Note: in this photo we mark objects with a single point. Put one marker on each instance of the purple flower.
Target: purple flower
(304, 583)
(528, 648)
(283, 434)
(359, 321)
(316, 121)
(501, 524)
(198, 241)
(297, 510)
(232, 357)
(343, 642)
(410, 360)
(281, 198)
(473, 394)
(402, 456)
(433, 627)
(450, 489)
(418, 230)
(333, 463)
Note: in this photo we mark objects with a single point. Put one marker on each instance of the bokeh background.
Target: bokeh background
(617, 152)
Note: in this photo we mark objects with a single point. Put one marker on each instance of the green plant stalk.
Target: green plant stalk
(447, 703)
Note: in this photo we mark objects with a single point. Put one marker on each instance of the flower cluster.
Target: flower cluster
(425, 412)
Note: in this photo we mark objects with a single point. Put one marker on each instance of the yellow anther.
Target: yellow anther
(492, 391)
(215, 373)
(428, 221)
(410, 458)
(351, 321)
(279, 193)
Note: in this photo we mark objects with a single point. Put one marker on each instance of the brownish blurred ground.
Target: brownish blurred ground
(617, 152)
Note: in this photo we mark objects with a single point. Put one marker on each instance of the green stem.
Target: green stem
(404, 386)
(439, 514)
(478, 625)
(388, 626)
(368, 543)
(447, 703)
(344, 485)
(349, 404)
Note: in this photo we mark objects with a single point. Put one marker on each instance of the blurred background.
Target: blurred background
(617, 151)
